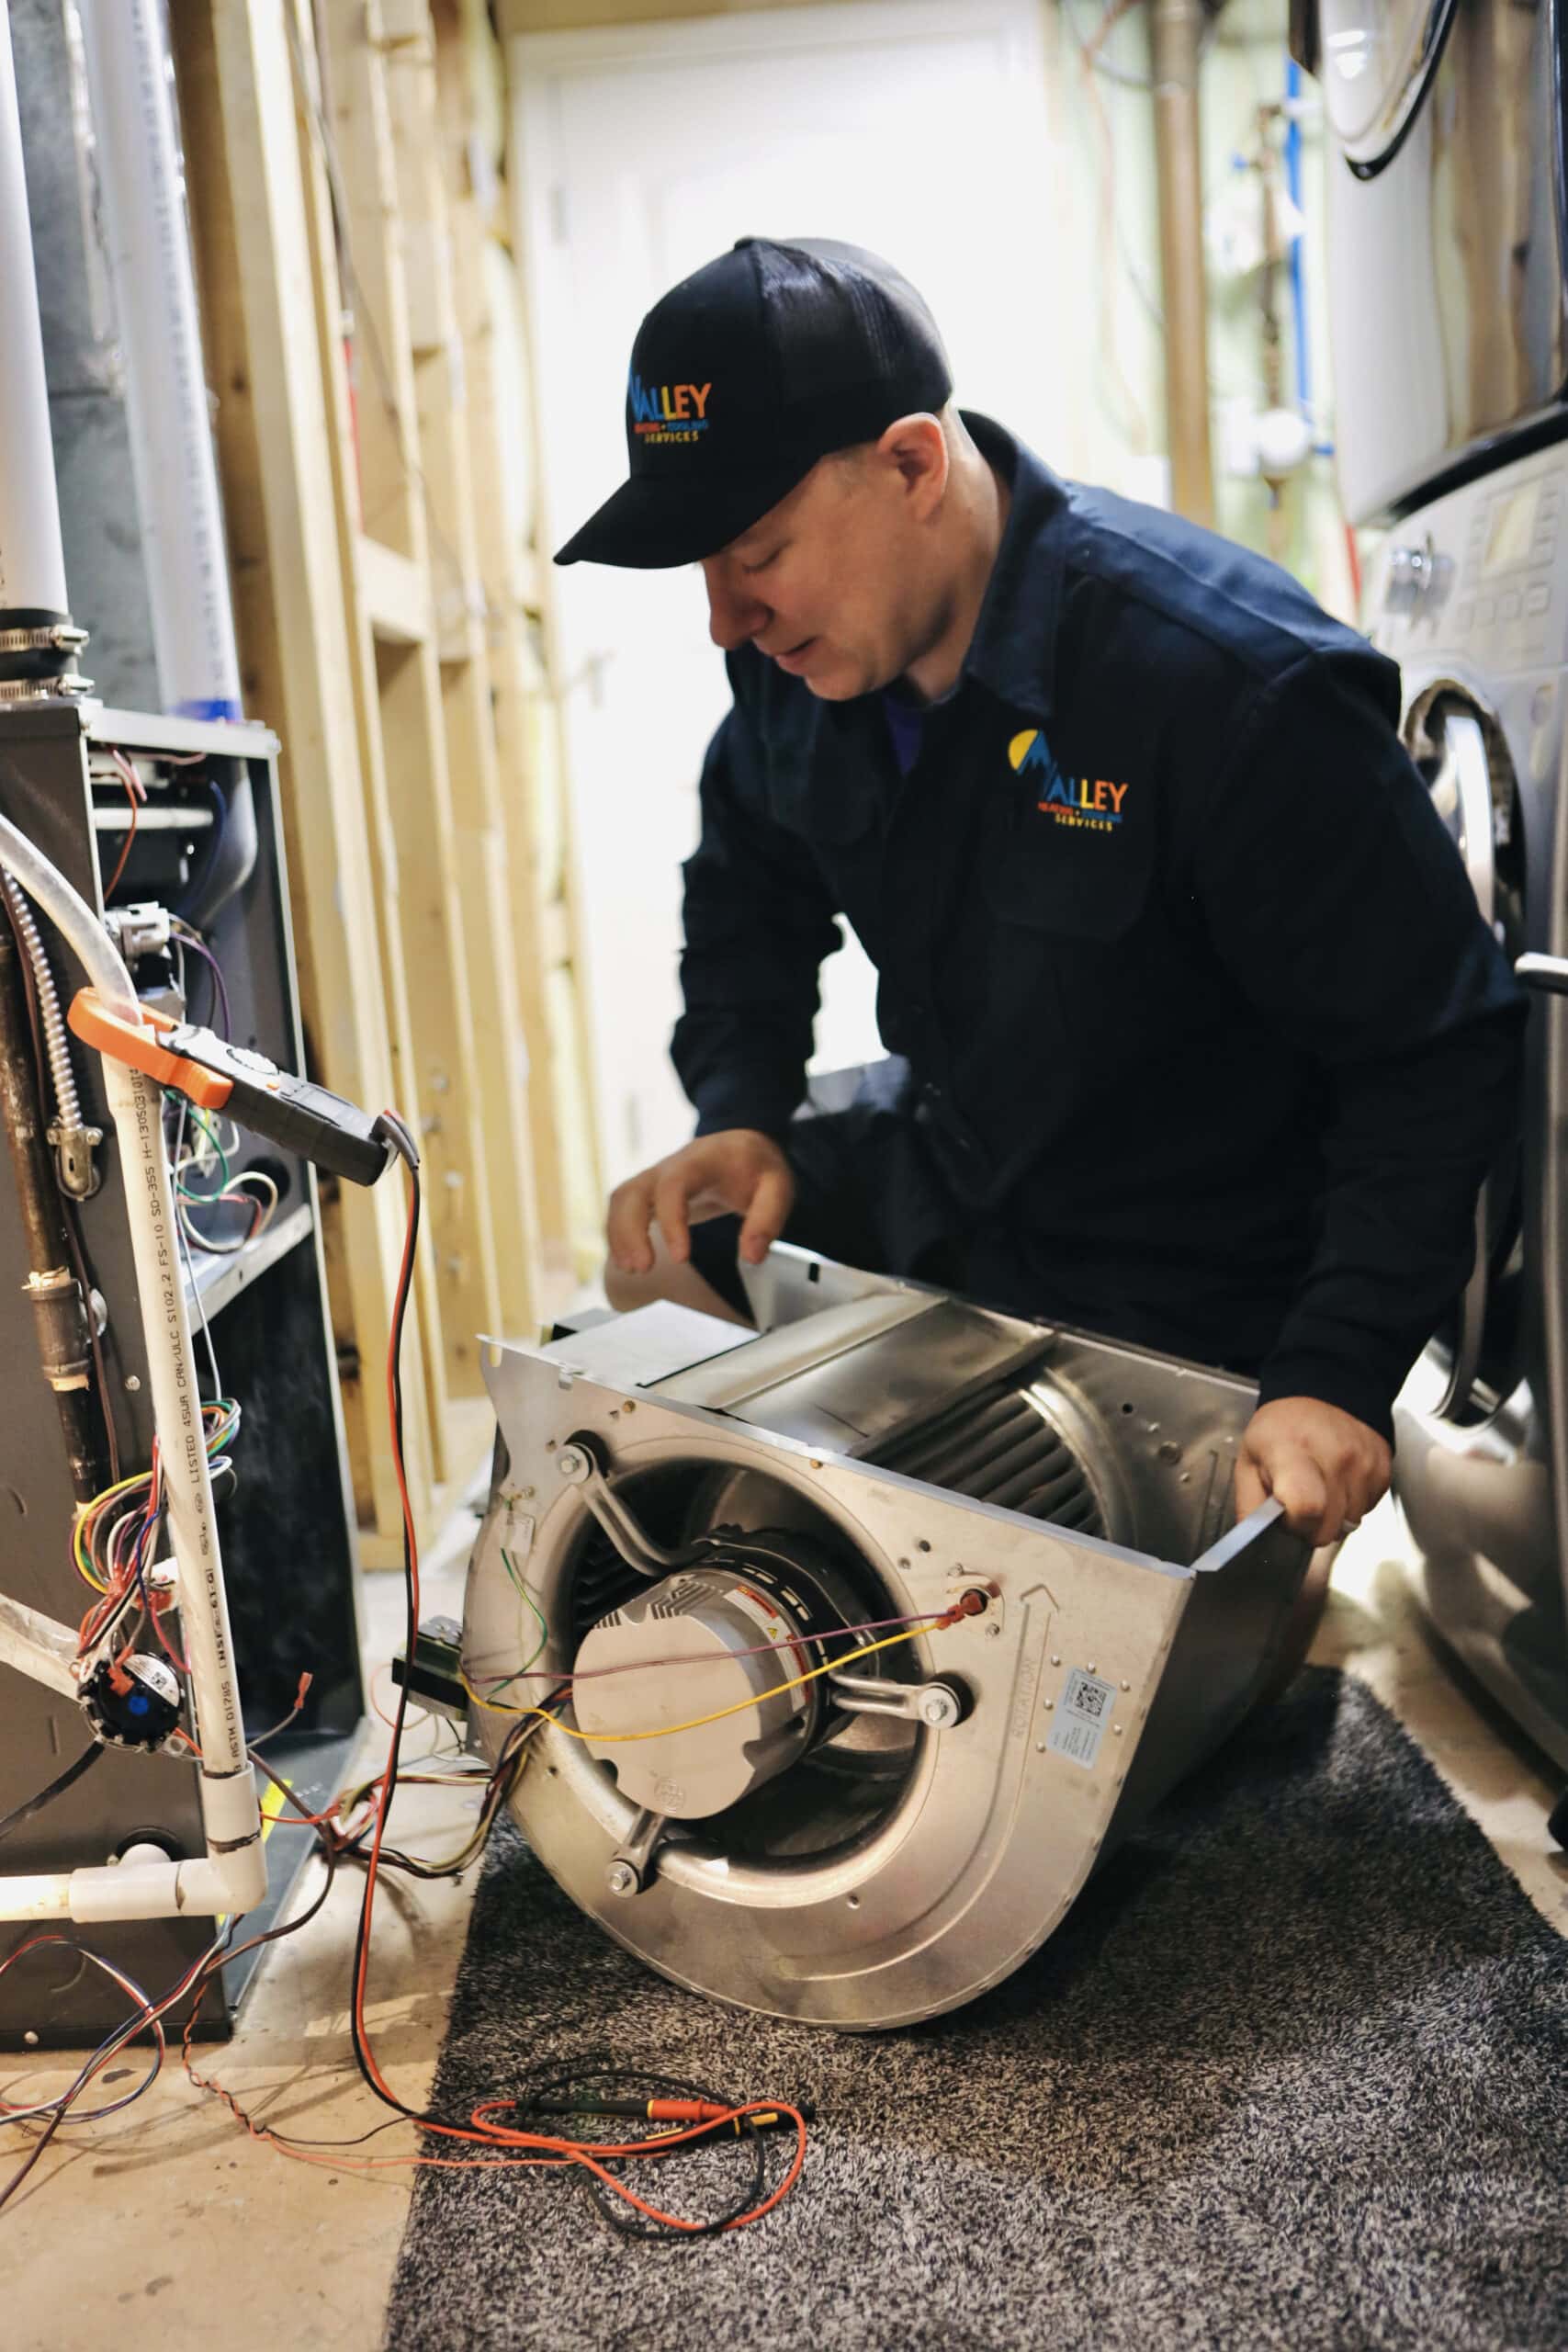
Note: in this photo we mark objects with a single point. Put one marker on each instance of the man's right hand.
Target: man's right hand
(739, 1171)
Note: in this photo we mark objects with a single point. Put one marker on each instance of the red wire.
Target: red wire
(133, 793)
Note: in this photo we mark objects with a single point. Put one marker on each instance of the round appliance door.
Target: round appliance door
(1463, 757)
(1376, 57)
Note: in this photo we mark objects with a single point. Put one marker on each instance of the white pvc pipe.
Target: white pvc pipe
(32, 558)
(37, 1646)
(148, 251)
(231, 1814)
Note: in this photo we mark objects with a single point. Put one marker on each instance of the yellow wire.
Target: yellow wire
(215, 1437)
(668, 1731)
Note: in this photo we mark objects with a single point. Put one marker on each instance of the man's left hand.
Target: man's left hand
(1324, 1465)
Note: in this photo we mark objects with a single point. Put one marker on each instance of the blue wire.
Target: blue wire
(1298, 282)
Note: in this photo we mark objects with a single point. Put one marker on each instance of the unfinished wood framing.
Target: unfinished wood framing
(382, 632)
(534, 808)
(239, 114)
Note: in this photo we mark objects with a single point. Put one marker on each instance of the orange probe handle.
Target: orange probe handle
(136, 1042)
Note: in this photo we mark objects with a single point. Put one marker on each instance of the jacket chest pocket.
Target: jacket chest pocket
(1074, 856)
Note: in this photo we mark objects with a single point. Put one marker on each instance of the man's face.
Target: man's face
(829, 585)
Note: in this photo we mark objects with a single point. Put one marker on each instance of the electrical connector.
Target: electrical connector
(434, 1676)
(144, 929)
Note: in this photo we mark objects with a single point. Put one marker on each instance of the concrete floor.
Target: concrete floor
(168, 2226)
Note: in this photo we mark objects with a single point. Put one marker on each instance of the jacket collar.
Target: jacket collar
(1013, 650)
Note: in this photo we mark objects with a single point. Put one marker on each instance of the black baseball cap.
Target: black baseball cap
(745, 374)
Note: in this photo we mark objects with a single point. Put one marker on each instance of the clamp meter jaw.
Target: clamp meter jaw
(242, 1084)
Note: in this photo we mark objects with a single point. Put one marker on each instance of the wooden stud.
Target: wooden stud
(434, 919)
(373, 576)
(242, 135)
(395, 594)
(532, 804)
(481, 836)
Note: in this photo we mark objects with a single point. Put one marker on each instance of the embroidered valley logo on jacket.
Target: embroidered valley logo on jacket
(1092, 802)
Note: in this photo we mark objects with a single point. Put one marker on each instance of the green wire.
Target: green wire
(515, 1574)
(199, 1118)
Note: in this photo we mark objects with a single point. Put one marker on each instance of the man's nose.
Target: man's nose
(735, 615)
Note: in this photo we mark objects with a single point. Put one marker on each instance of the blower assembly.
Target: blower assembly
(862, 1638)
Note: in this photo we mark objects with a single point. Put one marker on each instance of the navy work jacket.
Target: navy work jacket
(1209, 1046)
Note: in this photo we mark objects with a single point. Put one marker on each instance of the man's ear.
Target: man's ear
(917, 447)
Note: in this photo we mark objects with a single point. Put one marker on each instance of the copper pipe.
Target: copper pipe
(1174, 26)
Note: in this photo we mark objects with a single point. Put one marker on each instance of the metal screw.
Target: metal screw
(1170, 1450)
(621, 1879)
(993, 1633)
(30, 2038)
(550, 1443)
(628, 1407)
(1042, 1747)
(1117, 1729)
(132, 1382)
(1126, 1686)
(1056, 1657)
(569, 1461)
(922, 1545)
(1049, 1704)
(1090, 1668)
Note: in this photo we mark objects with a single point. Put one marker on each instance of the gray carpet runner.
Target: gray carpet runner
(1294, 2073)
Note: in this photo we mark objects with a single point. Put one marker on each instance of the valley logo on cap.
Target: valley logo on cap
(666, 411)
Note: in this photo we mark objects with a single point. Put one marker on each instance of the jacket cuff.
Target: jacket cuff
(769, 1114)
(1357, 1388)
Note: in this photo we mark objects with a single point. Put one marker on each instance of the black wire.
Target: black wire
(68, 1778)
(51, 2127)
(582, 2078)
(404, 1144)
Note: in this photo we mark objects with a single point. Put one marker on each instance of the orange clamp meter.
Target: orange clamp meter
(242, 1084)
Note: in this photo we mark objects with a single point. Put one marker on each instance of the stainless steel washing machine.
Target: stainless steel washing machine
(1446, 237)
(1470, 597)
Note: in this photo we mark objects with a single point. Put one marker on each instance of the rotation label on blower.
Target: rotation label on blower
(1082, 1713)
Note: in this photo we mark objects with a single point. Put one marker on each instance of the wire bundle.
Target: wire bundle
(508, 2145)
(112, 1544)
(261, 1206)
(113, 1539)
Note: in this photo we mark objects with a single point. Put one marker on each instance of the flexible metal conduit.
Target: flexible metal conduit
(60, 1311)
(56, 1042)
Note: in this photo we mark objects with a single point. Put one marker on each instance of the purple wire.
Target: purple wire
(199, 948)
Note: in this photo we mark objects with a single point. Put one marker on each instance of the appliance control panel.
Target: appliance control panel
(1478, 574)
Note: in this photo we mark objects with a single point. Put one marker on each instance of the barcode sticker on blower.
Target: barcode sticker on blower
(1082, 1713)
